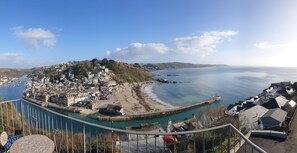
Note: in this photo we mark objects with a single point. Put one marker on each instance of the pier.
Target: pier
(159, 113)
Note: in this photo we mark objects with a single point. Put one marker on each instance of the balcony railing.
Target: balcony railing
(21, 118)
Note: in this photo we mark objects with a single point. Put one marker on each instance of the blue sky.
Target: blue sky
(253, 33)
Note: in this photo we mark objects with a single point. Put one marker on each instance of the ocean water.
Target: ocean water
(198, 84)
(230, 82)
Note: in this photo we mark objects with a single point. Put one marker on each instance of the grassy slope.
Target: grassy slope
(11, 72)
(123, 72)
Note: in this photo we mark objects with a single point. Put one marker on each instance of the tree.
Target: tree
(137, 65)
(95, 61)
(104, 61)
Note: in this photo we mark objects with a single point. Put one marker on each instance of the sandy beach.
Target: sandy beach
(134, 99)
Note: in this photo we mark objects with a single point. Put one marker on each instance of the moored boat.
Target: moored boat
(217, 97)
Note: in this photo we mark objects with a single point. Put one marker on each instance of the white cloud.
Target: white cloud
(11, 56)
(202, 45)
(265, 45)
(35, 36)
(191, 45)
(138, 50)
(19, 60)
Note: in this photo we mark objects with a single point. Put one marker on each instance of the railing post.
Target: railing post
(90, 139)
(213, 138)
(245, 146)
(174, 148)
(112, 141)
(146, 143)
(137, 143)
(72, 145)
(22, 117)
(194, 143)
(97, 141)
(66, 129)
(2, 117)
(203, 141)
(128, 143)
(28, 119)
(104, 143)
(84, 135)
(164, 143)
(234, 143)
(155, 143)
(12, 118)
(7, 117)
(229, 137)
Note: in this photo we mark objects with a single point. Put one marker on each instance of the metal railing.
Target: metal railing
(20, 118)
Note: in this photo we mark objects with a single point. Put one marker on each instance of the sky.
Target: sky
(246, 33)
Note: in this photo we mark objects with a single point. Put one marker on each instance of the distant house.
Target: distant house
(278, 102)
(286, 92)
(112, 83)
(112, 110)
(232, 110)
(249, 118)
(238, 107)
(273, 118)
(282, 84)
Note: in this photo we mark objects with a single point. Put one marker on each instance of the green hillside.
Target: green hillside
(120, 72)
(123, 72)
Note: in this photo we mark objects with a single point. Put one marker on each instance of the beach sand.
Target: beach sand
(134, 99)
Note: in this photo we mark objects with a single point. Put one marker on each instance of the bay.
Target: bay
(194, 85)
(230, 82)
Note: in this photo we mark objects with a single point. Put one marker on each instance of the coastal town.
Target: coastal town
(6, 80)
(88, 87)
(9, 75)
(67, 88)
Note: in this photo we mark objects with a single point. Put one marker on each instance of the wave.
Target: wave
(149, 91)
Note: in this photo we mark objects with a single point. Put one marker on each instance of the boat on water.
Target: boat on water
(217, 97)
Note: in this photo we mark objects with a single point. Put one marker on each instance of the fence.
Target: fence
(20, 118)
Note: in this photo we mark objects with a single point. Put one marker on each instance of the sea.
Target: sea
(232, 83)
